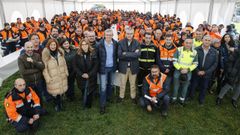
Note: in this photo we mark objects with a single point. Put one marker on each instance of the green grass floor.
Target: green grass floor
(129, 119)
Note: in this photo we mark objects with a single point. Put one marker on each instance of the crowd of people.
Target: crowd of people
(164, 62)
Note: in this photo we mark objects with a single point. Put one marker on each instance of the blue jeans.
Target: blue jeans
(177, 84)
(106, 84)
(168, 82)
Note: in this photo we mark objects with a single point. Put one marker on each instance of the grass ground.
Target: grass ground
(129, 119)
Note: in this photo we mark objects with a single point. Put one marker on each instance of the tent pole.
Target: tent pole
(2, 13)
(210, 11)
(43, 8)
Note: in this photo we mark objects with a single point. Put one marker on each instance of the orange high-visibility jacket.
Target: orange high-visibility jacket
(156, 86)
(14, 102)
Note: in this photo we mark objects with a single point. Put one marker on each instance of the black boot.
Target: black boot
(102, 110)
(218, 101)
(57, 101)
(234, 103)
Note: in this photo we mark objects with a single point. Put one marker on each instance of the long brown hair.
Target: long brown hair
(80, 51)
(57, 45)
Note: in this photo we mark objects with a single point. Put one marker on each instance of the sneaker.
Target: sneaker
(164, 113)
(234, 103)
(182, 103)
(149, 108)
(119, 100)
(218, 101)
(57, 108)
(102, 110)
(134, 101)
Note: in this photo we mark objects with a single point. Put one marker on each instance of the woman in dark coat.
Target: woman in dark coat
(69, 54)
(227, 47)
(85, 66)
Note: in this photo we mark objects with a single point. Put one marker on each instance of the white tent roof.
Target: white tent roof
(195, 11)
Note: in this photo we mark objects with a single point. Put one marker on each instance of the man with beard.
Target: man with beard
(154, 91)
(146, 60)
(165, 59)
(30, 67)
(78, 36)
(54, 35)
(91, 36)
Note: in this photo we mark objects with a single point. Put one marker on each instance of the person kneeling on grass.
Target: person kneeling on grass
(22, 107)
(155, 91)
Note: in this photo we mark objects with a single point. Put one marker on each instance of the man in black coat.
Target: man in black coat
(128, 54)
(232, 79)
(207, 63)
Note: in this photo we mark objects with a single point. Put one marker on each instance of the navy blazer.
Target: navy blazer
(211, 61)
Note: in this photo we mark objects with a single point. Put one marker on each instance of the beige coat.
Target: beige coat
(55, 72)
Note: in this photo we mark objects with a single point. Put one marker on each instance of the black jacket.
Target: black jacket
(127, 54)
(148, 56)
(89, 66)
(102, 55)
(69, 56)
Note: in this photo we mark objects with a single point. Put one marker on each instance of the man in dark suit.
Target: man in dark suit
(128, 53)
(207, 63)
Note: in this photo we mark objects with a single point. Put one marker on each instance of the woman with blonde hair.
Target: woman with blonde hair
(85, 66)
(55, 72)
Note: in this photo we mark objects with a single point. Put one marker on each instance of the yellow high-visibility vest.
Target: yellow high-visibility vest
(185, 59)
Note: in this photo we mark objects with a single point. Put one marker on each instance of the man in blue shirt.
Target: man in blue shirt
(107, 51)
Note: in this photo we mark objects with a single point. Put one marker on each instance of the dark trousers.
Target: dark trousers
(87, 93)
(217, 78)
(23, 125)
(140, 77)
(10, 47)
(199, 82)
(58, 101)
(40, 89)
(70, 91)
(163, 102)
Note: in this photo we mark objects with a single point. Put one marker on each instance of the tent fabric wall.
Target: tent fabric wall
(68, 7)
